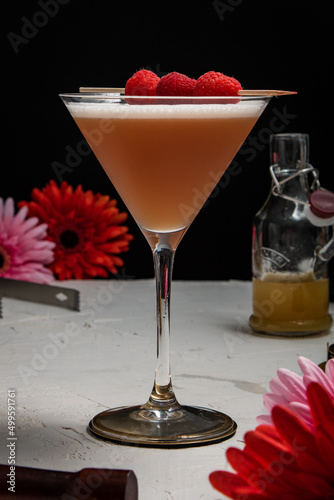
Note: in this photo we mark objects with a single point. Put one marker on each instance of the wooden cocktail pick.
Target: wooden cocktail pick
(243, 92)
(265, 92)
(102, 90)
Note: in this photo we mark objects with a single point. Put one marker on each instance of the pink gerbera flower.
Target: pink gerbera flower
(24, 251)
(289, 389)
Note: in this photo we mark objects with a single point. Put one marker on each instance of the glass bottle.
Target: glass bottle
(290, 284)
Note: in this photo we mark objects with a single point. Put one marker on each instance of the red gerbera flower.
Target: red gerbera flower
(289, 460)
(85, 227)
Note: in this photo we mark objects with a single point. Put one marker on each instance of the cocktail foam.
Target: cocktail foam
(109, 108)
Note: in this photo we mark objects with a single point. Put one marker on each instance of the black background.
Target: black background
(57, 46)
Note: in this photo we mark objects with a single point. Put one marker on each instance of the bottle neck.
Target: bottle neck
(289, 151)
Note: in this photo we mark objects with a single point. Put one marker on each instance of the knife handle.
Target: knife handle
(86, 484)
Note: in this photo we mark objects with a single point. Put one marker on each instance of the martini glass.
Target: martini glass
(164, 156)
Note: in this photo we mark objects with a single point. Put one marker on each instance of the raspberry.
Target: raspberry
(143, 82)
(175, 84)
(213, 83)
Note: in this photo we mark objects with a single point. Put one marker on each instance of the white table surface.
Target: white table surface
(67, 366)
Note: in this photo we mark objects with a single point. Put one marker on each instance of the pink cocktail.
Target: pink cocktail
(164, 156)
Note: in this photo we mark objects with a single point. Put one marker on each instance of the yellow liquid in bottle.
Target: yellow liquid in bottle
(297, 305)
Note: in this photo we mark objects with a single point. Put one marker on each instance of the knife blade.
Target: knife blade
(68, 298)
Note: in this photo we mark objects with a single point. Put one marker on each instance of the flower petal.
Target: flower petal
(293, 430)
(329, 369)
(293, 385)
(8, 210)
(303, 411)
(322, 406)
(325, 443)
(317, 485)
(263, 447)
(313, 373)
(264, 420)
(232, 485)
(270, 400)
(242, 463)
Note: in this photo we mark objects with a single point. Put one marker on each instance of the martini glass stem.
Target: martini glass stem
(162, 393)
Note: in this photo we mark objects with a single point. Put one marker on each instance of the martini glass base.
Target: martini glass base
(181, 427)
